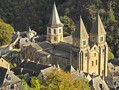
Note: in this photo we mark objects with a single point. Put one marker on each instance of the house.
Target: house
(97, 83)
(112, 82)
(8, 81)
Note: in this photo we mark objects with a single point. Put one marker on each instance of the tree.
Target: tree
(24, 85)
(68, 25)
(6, 31)
(35, 83)
(110, 55)
(59, 80)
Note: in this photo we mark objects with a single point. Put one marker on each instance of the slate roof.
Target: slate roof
(80, 32)
(29, 67)
(114, 61)
(2, 75)
(60, 53)
(40, 38)
(36, 46)
(63, 46)
(97, 83)
(98, 27)
(42, 53)
(54, 19)
(69, 68)
(112, 82)
(14, 79)
(45, 45)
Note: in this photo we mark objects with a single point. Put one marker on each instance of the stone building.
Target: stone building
(88, 53)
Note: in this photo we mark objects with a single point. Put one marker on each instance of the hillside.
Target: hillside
(36, 13)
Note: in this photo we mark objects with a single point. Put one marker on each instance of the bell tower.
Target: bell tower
(98, 36)
(55, 27)
(81, 47)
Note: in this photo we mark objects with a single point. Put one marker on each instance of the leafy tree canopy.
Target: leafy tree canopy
(59, 80)
(6, 31)
(35, 83)
(68, 25)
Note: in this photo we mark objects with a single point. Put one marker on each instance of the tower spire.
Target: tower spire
(54, 19)
(98, 27)
(80, 31)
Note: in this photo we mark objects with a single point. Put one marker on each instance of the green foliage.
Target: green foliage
(59, 80)
(68, 25)
(110, 55)
(35, 83)
(6, 31)
(24, 85)
(36, 13)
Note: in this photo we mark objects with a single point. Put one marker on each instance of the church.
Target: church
(85, 52)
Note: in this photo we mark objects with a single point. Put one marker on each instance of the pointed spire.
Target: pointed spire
(55, 20)
(98, 27)
(80, 31)
(29, 29)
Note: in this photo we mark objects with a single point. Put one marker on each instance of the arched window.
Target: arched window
(92, 63)
(96, 62)
(59, 30)
(49, 30)
(54, 31)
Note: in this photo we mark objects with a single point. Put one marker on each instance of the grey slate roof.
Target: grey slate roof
(2, 75)
(114, 61)
(69, 68)
(112, 82)
(55, 20)
(60, 53)
(29, 67)
(80, 31)
(4, 81)
(45, 45)
(98, 27)
(97, 83)
(42, 53)
(63, 46)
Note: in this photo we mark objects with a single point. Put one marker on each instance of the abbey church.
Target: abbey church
(85, 52)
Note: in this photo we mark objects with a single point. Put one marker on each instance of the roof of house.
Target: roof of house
(63, 46)
(69, 68)
(2, 75)
(97, 83)
(114, 61)
(42, 53)
(5, 75)
(45, 45)
(29, 67)
(112, 81)
(60, 53)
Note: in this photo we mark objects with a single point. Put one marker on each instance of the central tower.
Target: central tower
(55, 27)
